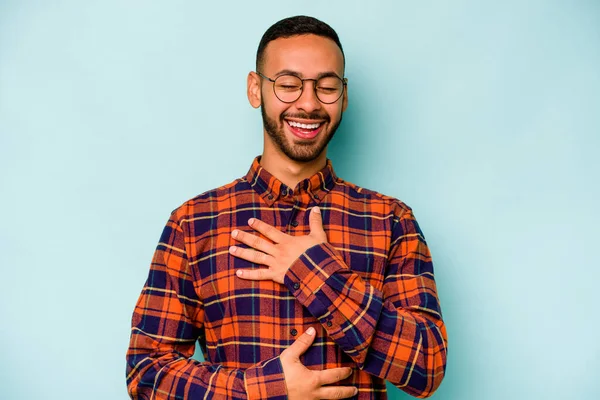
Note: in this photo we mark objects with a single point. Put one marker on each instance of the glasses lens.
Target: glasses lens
(288, 88)
(329, 89)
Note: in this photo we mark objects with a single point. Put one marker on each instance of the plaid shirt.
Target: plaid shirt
(369, 292)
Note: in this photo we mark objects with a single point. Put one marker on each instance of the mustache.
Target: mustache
(315, 116)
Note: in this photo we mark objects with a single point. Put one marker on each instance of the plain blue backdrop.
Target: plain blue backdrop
(483, 116)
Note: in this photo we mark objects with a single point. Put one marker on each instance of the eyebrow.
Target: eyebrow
(300, 75)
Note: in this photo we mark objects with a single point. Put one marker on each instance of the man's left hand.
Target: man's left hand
(280, 252)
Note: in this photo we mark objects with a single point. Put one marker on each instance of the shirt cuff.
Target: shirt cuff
(266, 381)
(308, 275)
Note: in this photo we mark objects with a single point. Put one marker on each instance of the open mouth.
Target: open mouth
(305, 130)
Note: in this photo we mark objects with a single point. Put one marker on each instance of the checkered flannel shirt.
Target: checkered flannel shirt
(369, 292)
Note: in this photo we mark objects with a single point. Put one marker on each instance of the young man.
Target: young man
(296, 283)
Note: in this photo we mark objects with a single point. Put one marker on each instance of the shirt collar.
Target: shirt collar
(269, 188)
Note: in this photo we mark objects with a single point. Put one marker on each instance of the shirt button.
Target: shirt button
(270, 197)
(316, 197)
(296, 286)
(294, 223)
(294, 332)
(329, 323)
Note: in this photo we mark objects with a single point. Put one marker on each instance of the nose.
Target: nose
(308, 100)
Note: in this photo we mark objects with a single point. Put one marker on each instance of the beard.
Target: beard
(301, 151)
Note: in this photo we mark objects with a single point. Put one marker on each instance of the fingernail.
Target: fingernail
(234, 233)
(232, 249)
(239, 272)
(355, 390)
(250, 221)
(316, 209)
(310, 331)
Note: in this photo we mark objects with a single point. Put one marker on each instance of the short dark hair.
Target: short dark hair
(294, 26)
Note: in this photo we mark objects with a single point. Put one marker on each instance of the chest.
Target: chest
(361, 239)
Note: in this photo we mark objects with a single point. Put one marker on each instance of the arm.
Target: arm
(396, 333)
(166, 323)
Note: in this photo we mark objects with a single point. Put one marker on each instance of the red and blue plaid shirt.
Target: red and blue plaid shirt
(369, 292)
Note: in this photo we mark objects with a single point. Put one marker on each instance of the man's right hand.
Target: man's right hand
(303, 383)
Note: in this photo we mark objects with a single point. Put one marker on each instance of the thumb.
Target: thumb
(302, 344)
(315, 222)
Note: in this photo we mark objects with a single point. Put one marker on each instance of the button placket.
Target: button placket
(293, 220)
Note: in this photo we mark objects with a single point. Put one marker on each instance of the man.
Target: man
(296, 283)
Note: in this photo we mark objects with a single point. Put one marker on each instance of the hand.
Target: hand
(280, 252)
(303, 383)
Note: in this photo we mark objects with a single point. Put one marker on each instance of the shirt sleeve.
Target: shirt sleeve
(166, 323)
(396, 333)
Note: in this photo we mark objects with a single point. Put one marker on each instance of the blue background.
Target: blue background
(483, 116)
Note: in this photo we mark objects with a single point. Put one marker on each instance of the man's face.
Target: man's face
(306, 56)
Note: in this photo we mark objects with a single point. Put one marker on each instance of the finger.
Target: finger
(301, 344)
(315, 222)
(269, 231)
(261, 274)
(336, 392)
(333, 375)
(257, 257)
(254, 241)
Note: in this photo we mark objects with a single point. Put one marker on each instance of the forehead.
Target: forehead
(308, 55)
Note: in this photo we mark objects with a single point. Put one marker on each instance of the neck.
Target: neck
(289, 171)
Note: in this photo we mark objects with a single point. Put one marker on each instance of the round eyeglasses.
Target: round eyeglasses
(288, 88)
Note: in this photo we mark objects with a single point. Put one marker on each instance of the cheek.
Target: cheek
(270, 103)
(335, 113)
(274, 110)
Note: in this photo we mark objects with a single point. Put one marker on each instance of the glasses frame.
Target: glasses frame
(344, 85)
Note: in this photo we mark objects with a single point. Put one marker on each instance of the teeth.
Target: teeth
(303, 126)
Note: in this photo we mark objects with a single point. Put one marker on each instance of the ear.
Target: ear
(254, 89)
(345, 99)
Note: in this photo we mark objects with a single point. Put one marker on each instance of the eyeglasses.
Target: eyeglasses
(288, 88)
